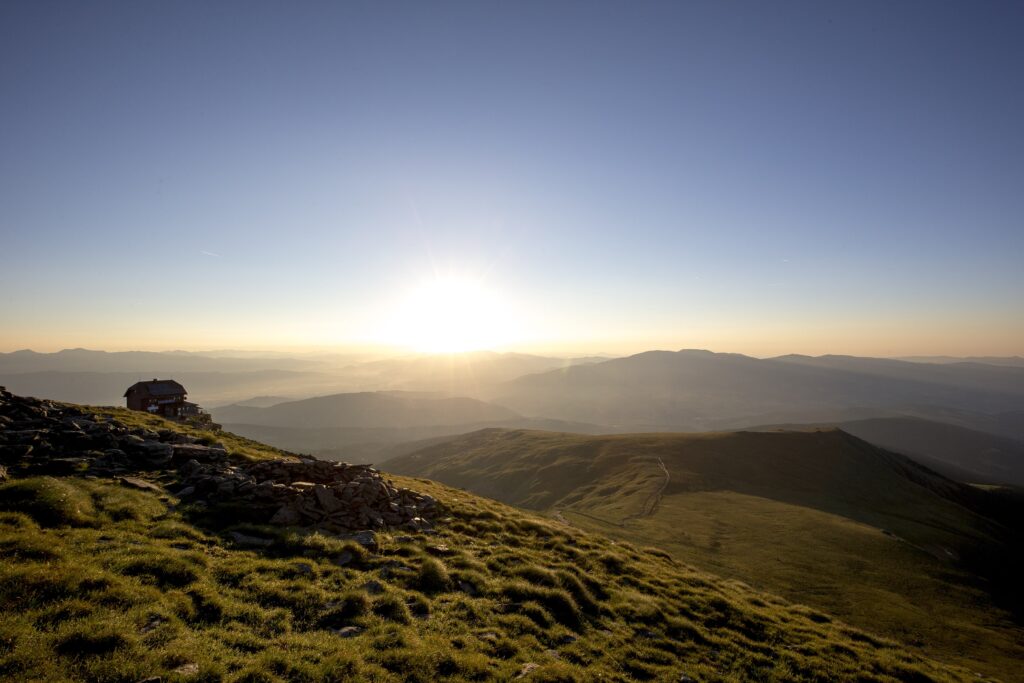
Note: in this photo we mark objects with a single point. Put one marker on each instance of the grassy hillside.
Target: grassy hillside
(104, 582)
(819, 517)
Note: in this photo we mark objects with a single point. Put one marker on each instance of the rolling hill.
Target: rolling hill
(818, 516)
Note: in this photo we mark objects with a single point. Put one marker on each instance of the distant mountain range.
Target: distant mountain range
(695, 390)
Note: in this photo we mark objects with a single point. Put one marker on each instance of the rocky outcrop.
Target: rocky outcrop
(45, 437)
(41, 436)
(331, 496)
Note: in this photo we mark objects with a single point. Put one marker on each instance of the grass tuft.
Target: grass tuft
(90, 640)
(392, 608)
(50, 502)
(432, 576)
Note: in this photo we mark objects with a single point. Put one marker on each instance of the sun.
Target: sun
(453, 315)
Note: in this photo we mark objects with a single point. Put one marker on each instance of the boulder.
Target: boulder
(367, 539)
(286, 516)
(183, 452)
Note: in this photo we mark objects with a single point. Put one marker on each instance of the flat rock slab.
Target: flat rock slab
(250, 541)
(348, 631)
(141, 484)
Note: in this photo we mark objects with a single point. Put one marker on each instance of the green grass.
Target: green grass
(128, 596)
(796, 514)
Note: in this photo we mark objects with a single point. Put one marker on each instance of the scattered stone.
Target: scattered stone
(344, 558)
(187, 669)
(567, 639)
(141, 484)
(367, 539)
(151, 625)
(395, 568)
(467, 588)
(348, 631)
(439, 549)
(527, 668)
(373, 587)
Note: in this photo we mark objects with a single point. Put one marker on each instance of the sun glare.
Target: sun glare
(453, 315)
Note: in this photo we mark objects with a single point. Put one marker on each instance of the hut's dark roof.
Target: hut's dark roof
(157, 387)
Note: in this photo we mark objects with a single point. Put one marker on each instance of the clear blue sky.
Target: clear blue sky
(757, 177)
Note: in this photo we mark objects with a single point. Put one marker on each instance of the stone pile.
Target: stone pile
(331, 496)
(45, 437)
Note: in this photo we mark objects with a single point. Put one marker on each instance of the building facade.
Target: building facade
(159, 397)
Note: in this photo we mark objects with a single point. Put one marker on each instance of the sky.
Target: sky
(764, 178)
